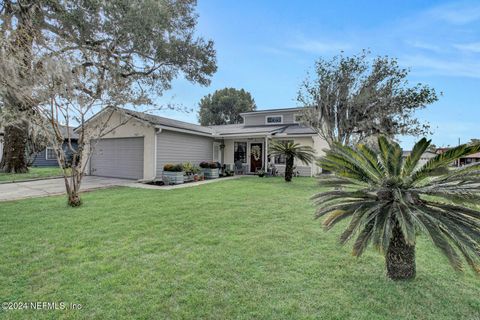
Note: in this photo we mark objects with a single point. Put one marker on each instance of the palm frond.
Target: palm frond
(386, 197)
(413, 158)
(442, 161)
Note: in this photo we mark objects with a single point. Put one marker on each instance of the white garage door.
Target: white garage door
(118, 158)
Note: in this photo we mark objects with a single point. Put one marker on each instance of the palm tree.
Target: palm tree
(390, 199)
(292, 151)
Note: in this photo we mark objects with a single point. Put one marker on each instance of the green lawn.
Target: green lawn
(33, 173)
(243, 249)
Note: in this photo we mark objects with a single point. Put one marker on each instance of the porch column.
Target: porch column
(265, 163)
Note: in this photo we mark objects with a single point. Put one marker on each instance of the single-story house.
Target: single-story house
(426, 156)
(137, 145)
(469, 159)
(47, 157)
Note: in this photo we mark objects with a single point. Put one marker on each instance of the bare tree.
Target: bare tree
(352, 98)
(114, 53)
(151, 42)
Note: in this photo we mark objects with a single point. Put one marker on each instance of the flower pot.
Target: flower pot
(210, 173)
(170, 177)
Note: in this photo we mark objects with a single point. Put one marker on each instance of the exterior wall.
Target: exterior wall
(176, 147)
(121, 126)
(259, 119)
(40, 159)
(305, 170)
(319, 145)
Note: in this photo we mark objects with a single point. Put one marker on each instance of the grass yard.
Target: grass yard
(238, 249)
(33, 173)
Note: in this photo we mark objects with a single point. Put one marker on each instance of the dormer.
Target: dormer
(272, 117)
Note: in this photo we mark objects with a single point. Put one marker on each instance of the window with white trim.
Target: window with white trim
(297, 118)
(274, 119)
(240, 151)
(50, 154)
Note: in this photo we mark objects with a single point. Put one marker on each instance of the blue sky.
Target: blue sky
(267, 47)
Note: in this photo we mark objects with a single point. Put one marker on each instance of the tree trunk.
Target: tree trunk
(18, 99)
(289, 169)
(73, 185)
(400, 257)
(14, 159)
(74, 199)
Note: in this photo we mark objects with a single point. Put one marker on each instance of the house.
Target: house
(426, 156)
(47, 157)
(466, 160)
(137, 145)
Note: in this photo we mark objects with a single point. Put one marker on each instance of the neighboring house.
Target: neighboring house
(138, 145)
(472, 158)
(426, 156)
(47, 157)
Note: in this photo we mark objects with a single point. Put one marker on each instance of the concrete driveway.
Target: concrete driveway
(48, 187)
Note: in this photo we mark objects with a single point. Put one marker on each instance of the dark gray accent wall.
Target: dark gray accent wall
(176, 147)
(40, 159)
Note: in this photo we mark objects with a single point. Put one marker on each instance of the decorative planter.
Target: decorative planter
(170, 177)
(211, 173)
(188, 178)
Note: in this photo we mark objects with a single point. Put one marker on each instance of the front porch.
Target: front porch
(253, 153)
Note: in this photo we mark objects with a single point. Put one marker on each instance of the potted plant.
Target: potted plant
(173, 173)
(261, 173)
(210, 169)
(188, 170)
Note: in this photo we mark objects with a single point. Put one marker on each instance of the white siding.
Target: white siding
(304, 171)
(175, 147)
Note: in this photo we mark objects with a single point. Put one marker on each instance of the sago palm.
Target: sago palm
(389, 199)
(292, 151)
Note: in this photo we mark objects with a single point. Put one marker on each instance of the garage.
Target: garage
(118, 158)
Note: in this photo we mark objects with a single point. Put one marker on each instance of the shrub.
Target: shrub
(173, 167)
(188, 167)
(214, 165)
(204, 164)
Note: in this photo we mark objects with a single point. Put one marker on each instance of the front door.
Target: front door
(256, 157)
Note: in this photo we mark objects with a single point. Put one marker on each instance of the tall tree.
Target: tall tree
(149, 42)
(351, 98)
(17, 36)
(224, 107)
(107, 53)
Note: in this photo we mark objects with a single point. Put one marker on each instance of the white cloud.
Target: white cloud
(471, 47)
(319, 47)
(445, 67)
(425, 46)
(459, 13)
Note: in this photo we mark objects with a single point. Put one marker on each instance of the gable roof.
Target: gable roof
(214, 131)
(167, 122)
(272, 111)
(237, 129)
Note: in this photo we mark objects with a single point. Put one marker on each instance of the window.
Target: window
(297, 118)
(280, 158)
(50, 154)
(240, 152)
(273, 119)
